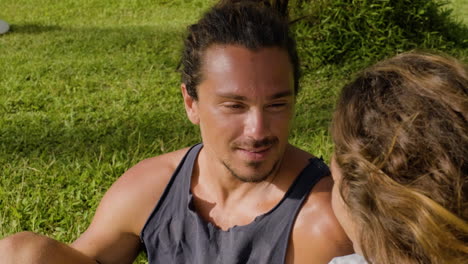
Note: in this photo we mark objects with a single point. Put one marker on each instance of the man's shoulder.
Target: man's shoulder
(138, 190)
(317, 207)
(298, 153)
(152, 174)
(317, 233)
(157, 168)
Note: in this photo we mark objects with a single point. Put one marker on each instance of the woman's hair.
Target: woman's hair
(401, 141)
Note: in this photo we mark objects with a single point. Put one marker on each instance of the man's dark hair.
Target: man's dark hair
(251, 24)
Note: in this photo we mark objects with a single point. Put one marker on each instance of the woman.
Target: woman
(400, 163)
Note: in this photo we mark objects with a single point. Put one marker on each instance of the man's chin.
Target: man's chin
(253, 172)
(252, 178)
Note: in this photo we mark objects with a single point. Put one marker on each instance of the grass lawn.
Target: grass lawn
(460, 9)
(88, 88)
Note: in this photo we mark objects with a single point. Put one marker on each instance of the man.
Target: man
(243, 196)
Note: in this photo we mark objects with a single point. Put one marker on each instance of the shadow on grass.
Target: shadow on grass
(31, 28)
(142, 55)
(139, 136)
(85, 65)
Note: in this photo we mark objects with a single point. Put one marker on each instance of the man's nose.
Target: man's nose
(256, 125)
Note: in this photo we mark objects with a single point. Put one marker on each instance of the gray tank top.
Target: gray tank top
(175, 233)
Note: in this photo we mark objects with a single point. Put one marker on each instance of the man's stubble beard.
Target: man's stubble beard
(266, 142)
(256, 178)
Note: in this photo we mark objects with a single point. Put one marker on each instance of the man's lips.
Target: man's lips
(255, 154)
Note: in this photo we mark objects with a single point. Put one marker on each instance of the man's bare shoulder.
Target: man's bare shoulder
(317, 236)
(157, 169)
(296, 153)
(317, 210)
(124, 209)
(137, 191)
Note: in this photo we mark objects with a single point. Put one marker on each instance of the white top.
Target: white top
(349, 259)
(4, 27)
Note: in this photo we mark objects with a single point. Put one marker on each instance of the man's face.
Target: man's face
(244, 109)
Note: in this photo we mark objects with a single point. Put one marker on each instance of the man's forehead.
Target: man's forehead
(236, 58)
(219, 56)
(238, 97)
(233, 71)
(223, 54)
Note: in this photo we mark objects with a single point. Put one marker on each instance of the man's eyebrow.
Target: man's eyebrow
(281, 94)
(243, 98)
(233, 96)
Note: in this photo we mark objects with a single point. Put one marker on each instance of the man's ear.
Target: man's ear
(191, 105)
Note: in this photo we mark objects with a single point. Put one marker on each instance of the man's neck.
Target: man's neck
(215, 182)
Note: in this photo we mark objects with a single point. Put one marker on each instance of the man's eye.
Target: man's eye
(277, 105)
(234, 106)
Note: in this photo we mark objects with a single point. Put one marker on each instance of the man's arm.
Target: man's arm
(113, 236)
(28, 247)
(109, 239)
(317, 236)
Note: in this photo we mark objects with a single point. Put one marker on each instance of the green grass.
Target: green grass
(460, 10)
(89, 88)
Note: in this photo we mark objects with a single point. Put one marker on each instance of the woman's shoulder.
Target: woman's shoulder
(349, 259)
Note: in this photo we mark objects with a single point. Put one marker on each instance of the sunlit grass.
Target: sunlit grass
(460, 9)
(89, 88)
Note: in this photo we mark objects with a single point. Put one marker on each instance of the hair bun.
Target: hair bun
(281, 6)
(265, 2)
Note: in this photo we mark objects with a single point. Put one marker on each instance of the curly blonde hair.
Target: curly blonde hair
(401, 140)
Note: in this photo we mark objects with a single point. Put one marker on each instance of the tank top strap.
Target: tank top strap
(186, 169)
(175, 193)
(310, 175)
(299, 190)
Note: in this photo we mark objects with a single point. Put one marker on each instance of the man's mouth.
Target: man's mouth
(256, 150)
(255, 154)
